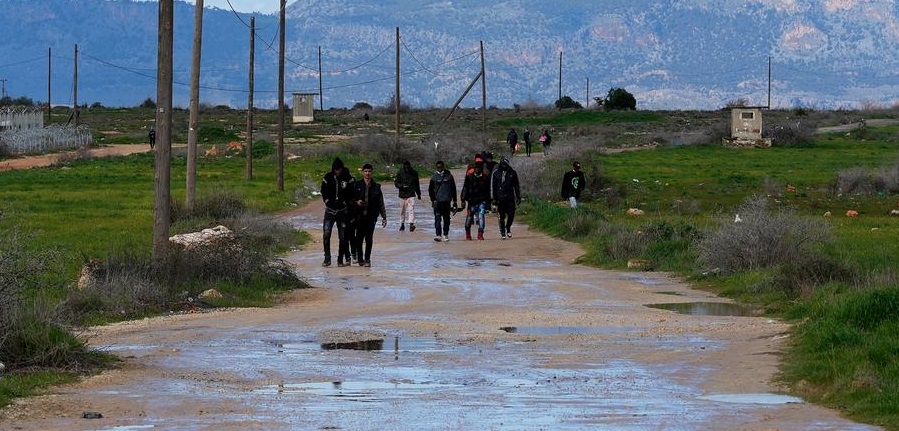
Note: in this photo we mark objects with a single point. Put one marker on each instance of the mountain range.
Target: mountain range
(670, 54)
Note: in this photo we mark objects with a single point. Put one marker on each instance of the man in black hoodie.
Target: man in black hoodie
(506, 193)
(337, 193)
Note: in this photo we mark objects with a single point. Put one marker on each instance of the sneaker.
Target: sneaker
(438, 238)
(444, 239)
(326, 263)
(502, 236)
(468, 236)
(340, 264)
(361, 263)
(402, 227)
(368, 264)
(509, 234)
(411, 227)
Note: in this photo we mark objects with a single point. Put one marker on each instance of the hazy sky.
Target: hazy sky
(248, 6)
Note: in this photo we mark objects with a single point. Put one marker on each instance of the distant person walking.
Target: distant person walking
(151, 136)
(506, 194)
(476, 197)
(337, 193)
(545, 140)
(512, 141)
(573, 183)
(442, 191)
(368, 202)
(527, 141)
(407, 182)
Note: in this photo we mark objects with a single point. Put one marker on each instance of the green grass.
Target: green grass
(22, 385)
(847, 334)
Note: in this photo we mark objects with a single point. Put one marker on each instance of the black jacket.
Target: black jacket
(372, 201)
(476, 188)
(505, 187)
(407, 183)
(572, 184)
(337, 192)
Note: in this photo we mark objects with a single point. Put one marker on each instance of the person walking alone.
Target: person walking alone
(369, 204)
(337, 193)
(476, 197)
(442, 191)
(506, 194)
(573, 183)
(527, 141)
(545, 139)
(512, 141)
(407, 182)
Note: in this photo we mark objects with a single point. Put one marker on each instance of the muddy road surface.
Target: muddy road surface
(463, 335)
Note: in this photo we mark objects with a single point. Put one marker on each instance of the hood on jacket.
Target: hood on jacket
(337, 164)
(505, 161)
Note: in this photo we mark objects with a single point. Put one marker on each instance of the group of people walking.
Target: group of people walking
(545, 140)
(355, 205)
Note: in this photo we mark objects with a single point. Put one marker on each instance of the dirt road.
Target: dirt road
(435, 336)
(489, 335)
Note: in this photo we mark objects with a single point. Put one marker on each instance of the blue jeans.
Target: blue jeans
(478, 211)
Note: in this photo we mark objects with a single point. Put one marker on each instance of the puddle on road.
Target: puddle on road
(706, 308)
(767, 399)
(355, 345)
(559, 330)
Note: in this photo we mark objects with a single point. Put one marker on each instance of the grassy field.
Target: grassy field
(841, 290)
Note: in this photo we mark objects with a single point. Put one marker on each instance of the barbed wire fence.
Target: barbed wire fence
(22, 132)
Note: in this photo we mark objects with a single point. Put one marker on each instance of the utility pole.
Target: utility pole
(396, 139)
(249, 147)
(484, 98)
(49, 66)
(190, 195)
(162, 174)
(588, 94)
(769, 82)
(281, 98)
(321, 94)
(75, 112)
(4, 88)
(560, 81)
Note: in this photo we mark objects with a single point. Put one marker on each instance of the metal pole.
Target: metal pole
(321, 94)
(484, 98)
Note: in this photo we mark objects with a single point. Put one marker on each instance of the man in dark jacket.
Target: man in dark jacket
(442, 191)
(476, 195)
(406, 181)
(506, 194)
(368, 204)
(337, 193)
(572, 184)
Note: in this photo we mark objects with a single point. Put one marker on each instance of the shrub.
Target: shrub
(793, 134)
(148, 103)
(800, 278)
(566, 102)
(763, 238)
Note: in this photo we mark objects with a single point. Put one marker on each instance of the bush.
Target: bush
(793, 134)
(762, 239)
(618, 99)
(861, 181)
(566, 102)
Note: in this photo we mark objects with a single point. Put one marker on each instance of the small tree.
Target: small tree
(617, 99)
(567, 102)
(148, 103)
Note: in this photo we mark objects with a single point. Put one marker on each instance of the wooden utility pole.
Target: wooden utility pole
(249, 147)
(281, 97)
(560, 81)
(769, 82)
(49, 70)
(321, 94)
(484, 98)
(75, 112)
(396, 139)
(190, 196)
(162, 174)
(588, 94)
